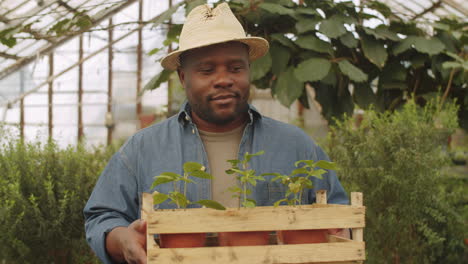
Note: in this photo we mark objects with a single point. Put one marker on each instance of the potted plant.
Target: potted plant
(179, 198)
(296, 183)
(246, 178)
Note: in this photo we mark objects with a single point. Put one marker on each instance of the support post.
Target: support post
(80, 90)
(109, 118)
(50, 94)
(139, 59)
(170, 85)
(21, 106)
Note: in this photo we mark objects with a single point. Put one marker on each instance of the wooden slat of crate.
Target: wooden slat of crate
(323, 252)
(255, 219)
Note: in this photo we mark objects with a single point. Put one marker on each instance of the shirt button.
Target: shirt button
(187, 118)
(193, 131)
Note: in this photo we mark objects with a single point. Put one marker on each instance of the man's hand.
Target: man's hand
(128, 244)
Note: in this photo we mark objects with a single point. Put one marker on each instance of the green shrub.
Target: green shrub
(396, 160)
(43, 190)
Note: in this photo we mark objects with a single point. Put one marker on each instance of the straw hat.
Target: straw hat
(205, 26)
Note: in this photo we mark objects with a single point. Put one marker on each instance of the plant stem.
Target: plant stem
(245, 192)
(449, 84)
(185, 183)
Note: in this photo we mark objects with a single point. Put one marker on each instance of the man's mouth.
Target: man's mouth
(223, 97)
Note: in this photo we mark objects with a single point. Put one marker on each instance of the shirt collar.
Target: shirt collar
(185, 117)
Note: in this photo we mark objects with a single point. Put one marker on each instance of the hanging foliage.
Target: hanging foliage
(329, 46)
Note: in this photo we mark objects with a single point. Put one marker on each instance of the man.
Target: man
(217, 124)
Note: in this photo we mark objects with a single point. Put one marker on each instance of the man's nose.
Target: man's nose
(223, 79)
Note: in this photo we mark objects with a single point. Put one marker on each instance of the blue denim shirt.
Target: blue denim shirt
(116, 198)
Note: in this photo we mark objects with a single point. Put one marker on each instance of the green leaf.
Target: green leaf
(328, 165)
(306, 24)
(167, 14)
(211, 204)
(287, 87)
(332, 27)
(157, 80)
(201, 174)
(248, 156)
(276, 9)
(430, 46)
(277, 203)
(249, 203)
(353, 72)
(154, 51)
(374, 51)
(161, 179)
(403, 46)
(307, 11)
(192, 166)
(179, 199)
(173, 34)
(313, 43)
(190, 5)
(382, 32)
(299, 171)
(348, 40)
(283, 40)
(306, 162)
(235, 189)
(280, 58)
(364, 96)
(159, 198)
(312, 70)
(451, 64)
(260, 67)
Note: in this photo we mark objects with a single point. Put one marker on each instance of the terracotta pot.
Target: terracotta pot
(182, 240)
(243, 238)
(303, 236)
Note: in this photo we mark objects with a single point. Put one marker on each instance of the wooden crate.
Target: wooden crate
(204, 220)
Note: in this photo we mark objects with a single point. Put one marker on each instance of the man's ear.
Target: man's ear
(181, 74)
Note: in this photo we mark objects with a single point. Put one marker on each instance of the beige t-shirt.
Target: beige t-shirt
(221, 147)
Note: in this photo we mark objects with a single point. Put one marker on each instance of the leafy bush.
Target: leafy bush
(396, 160)
(43, 190)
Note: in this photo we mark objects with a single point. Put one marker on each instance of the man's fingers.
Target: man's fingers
(136, 255)
(139, 226)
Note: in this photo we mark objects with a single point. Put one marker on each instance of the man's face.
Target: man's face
(217, 81)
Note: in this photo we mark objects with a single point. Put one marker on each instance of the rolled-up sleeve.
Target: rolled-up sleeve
(113, 203)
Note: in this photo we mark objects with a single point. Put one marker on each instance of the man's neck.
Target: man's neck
(211, 127)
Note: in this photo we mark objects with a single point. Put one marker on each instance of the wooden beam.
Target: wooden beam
(9, 56)
(335, 252)
(429, 9)
(236, 220)
(356, 200)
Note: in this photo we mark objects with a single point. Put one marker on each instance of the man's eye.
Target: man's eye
(236, 68)
(206, 70)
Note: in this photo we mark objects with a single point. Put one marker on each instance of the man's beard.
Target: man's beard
(207, 113)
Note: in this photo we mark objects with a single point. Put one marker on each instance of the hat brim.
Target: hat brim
(258, 47)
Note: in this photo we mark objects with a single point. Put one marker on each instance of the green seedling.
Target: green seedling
(245, 176)
(299, 179)
(178, 196)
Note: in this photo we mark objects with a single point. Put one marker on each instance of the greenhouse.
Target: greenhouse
(380, 85)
